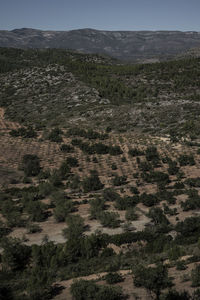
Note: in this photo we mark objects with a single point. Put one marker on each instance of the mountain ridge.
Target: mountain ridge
(123, 45)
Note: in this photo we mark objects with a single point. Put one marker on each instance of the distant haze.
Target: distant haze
(124, 45)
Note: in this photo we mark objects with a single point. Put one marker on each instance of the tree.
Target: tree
(88, 290)
(153, 279)
(92, 183)
(31, 165)
(15, 255)
(174, 295)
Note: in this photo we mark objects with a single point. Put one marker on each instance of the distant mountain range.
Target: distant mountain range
(123, 45)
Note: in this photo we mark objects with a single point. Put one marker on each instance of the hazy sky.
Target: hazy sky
(101, 14)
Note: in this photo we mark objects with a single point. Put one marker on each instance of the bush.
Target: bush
(149, 199)
(157, 216)
(72, 161)
(185, 160)
(97, 205)
(109, 219)
(126, 202)
(195, 276)
(92, 183)
(54, 135)
(135, 152)
(110, 194)
(112, 278)
(119, 180)
(31, 165)
(151, 153)
(33, 228)
(88, 290)
(24, 132)
(66, 148)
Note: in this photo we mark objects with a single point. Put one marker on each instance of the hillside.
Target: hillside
(99, 176)
(124, 45)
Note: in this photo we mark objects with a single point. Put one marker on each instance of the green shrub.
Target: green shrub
(112, 278)
(195, 276)
(66, 148)
(185, 160)
(54, 135)
(109, 219)
(92, 183)
(119, 180)
(31, 165)
(88, 290)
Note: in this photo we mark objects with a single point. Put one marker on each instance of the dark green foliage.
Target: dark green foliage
(135, 152)
(193, 182)
(157, 216)
(97, 205)
(72, 161)
(126, 202)
(195, 276)
(181, 265)
(62, 209)
(149, 199)
(112, 278)
(115, 150)
(64, 170)
(151, 153)
(193, 201)
(185, 160)
(31, 165)
(89, 134)
(174, 295)
(62, 204)
(169, 211)
(33, 228)
(66, 148)
(75, 227)
(156, 176)
(15, 255)
(39, 284)
(24, 132)
(110, 194)
(153, 279)
(134, 190)
(166, 195)
(58, 175)
(88, 290)
(119, 180)
(189, 230)
(145, 166)
(173, 168)
(114, 167)
(175, 252)
(92, 183)
(55, 135)
(109, 219)
(36, 211)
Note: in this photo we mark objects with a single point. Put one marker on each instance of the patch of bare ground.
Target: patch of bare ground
(181, 279)
(49, 229)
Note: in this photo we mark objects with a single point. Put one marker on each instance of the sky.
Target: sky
(181, 15)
